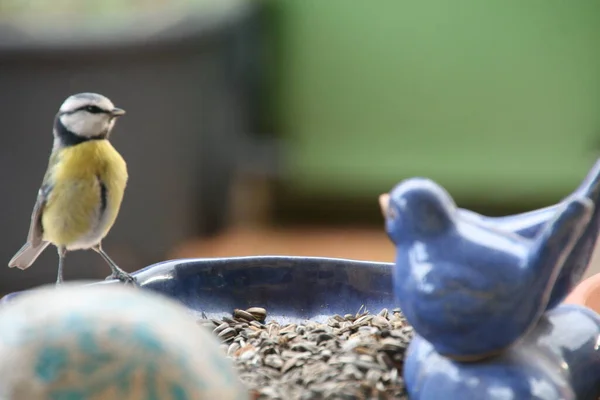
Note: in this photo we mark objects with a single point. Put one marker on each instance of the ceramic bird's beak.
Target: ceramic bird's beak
(384, 202)
(117, 112)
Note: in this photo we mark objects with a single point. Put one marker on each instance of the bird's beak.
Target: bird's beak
(117, 112)
(384, 202)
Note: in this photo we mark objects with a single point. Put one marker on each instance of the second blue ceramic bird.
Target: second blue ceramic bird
(529, 224)
(469, 289)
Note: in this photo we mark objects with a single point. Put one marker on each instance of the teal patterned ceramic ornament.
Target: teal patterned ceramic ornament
(108, 342)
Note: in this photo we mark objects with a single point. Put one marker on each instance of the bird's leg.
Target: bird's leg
(117, 273)
(62, 252)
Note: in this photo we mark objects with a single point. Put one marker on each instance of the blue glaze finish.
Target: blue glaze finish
(558, 360)
(529, 224)
(470, 290)
(280, 284)
(217, 286)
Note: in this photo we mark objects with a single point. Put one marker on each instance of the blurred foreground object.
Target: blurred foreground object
(185, 70)
(108, 342)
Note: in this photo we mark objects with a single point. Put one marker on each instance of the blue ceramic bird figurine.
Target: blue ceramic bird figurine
(467, 288)
(558, 360)
(529, 224)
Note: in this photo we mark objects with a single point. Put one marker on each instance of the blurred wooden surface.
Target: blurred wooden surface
(355, 243)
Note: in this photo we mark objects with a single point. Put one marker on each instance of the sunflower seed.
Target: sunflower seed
(364, 320)
(227, 333)
(273, 361)
(355, 356)
(244, 315)
(219, 328)
(288, 328)
(233, 347)
(380, 322)
(260, 314)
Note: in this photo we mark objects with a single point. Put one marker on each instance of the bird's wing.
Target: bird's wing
(35, 228)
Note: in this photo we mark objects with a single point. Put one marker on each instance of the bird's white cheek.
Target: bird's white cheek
(88, 125)
(95, 125)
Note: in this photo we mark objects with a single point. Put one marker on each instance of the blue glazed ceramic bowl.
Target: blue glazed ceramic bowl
(290, 288)
(294, 289)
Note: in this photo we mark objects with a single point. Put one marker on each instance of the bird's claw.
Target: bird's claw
(123, 277)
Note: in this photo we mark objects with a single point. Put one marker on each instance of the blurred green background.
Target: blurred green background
(257, 113)
(499, 101)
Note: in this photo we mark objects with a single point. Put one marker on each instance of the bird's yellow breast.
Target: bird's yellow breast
(73, 208)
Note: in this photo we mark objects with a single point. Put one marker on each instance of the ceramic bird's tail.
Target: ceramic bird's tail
(579, 259)
(27, 255)
(555, 243)
(590, 186)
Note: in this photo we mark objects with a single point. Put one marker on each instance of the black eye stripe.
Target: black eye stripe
(90, 109)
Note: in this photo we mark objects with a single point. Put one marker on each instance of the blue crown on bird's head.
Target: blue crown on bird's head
(417, 208)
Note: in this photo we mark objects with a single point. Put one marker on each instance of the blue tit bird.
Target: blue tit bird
(83, 187)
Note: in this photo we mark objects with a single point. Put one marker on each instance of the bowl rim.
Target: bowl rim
(169, 267)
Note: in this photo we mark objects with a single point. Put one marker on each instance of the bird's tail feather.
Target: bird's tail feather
(590, 187)
(27, 255)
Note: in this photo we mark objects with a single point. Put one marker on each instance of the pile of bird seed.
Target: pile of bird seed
(355, 356)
